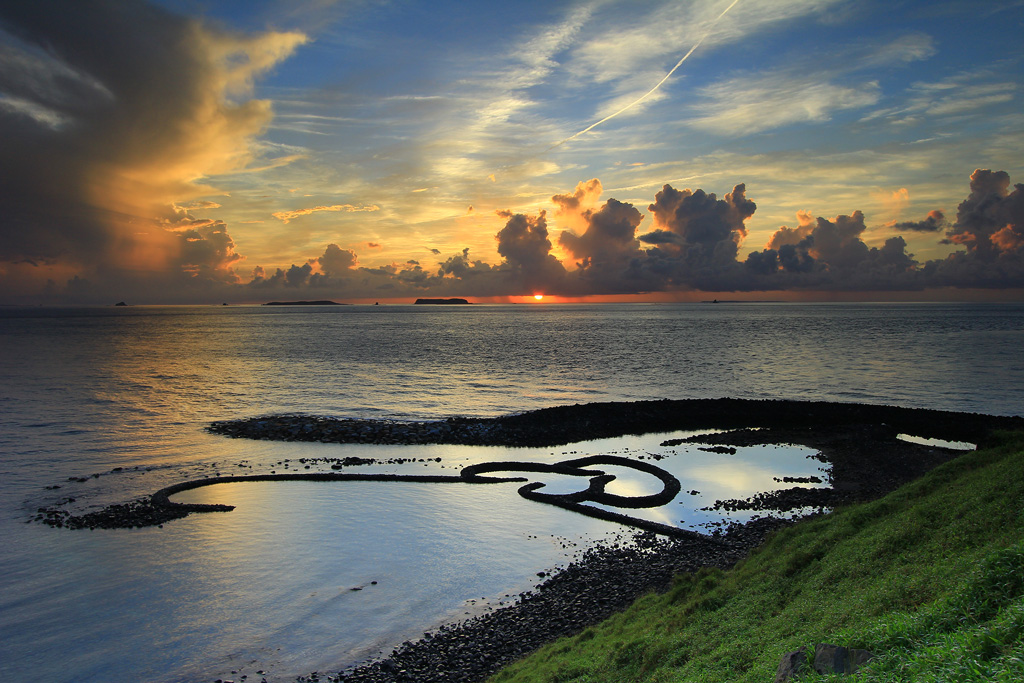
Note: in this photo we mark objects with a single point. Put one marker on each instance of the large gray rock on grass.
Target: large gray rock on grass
(835, 659)
(828, 659)
(791, 665)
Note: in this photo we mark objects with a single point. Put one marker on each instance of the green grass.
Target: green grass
(930, 578)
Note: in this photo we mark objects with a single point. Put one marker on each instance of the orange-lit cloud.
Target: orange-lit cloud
(691, 247)
(117, 144)
(573, 206)
(786, 235)
(336, 261)
(1010, 238)
(286, 216)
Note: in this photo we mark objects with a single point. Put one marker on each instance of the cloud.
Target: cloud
(337, 261)
(573, 206)
(286, 216)
(793, 236)
(691, 243)
(639, 41)
(610, 234)
(295, 277)
(206, 251)
(525, 246)
(828, 254)
(768, 99)
(603, 243)
(972, 94)
(831, 254)
(990, 225)
(935, 221)
(990, 222)
(198, 204)
(632, 101)
(756, 103)
(697, 235)
(113, 115)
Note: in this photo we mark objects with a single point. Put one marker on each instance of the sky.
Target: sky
(233, 151)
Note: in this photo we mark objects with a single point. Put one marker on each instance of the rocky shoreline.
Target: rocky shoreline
(604, 580)
(567, 424)
(859, 441)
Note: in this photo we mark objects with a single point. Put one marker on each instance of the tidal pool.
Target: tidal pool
(305, 576)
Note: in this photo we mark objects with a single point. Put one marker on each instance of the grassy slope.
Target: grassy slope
(931, 578)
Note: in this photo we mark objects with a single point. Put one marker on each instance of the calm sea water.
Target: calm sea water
(124, 394)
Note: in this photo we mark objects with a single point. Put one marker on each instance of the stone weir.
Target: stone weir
(567, 424)
(859, 441)
(159, 508)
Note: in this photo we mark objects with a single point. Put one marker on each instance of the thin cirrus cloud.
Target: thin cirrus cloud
(631, 102)
(971, 92)
(769, 99)
(136, 168)
(755, 104)
(649, 39)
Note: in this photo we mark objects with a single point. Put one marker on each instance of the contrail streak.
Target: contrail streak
(652, 90)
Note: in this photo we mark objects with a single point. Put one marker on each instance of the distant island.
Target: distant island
(303, 303)
(441, 301)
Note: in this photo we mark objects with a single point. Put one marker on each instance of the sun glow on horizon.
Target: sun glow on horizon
(538, 297)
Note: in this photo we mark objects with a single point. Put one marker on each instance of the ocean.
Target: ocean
(105, 405)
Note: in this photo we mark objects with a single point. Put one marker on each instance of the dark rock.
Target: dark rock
(836, 659)
(791, 665)
(722, 450)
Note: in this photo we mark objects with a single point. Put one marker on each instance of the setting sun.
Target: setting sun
(538, 297)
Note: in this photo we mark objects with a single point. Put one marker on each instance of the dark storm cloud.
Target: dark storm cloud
(660, 237)
(524, 239)
(525, 246)
(990, 222)
(109, 110)
(990, 225)
(208, 251)
(830, 255)
(695, 240)
(701, 222)
(603, 245)
(609, 237)
(294, 277)
(837, 242)
(461, 266)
